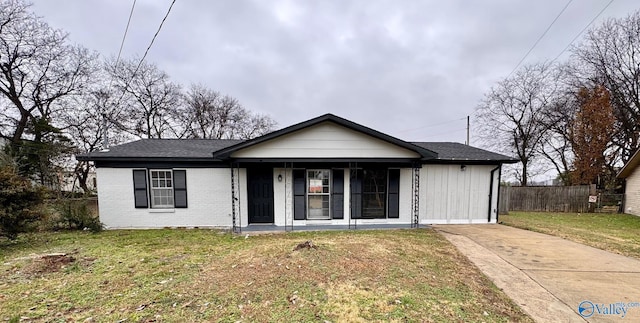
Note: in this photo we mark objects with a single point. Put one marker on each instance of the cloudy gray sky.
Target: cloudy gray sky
(412, 69)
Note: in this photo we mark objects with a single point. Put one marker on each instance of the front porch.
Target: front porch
(320, 195)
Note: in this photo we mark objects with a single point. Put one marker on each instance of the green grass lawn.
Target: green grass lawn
(203, 275)
(619, 233)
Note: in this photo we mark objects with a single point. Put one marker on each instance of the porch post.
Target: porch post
(415, 201)
(235, 202)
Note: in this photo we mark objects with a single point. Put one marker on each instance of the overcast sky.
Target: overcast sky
(411, 69)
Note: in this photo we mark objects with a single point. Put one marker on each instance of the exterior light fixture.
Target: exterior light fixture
(279, 177)
(463, 168)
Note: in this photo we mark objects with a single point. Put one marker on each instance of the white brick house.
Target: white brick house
(631, 174)
(324, 171)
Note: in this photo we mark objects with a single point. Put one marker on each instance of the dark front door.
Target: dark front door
(260, 187)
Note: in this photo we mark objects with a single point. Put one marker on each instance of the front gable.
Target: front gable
(326, 137)
(325, 140)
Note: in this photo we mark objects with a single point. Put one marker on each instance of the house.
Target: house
(631, 175)
(68, 182)
(324, 171)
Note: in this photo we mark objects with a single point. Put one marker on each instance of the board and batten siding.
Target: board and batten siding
(450, 195)
(325, 140)
(632, 193)
(208, 194)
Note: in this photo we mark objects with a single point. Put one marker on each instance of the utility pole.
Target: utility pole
(105, 139)
(468, 143)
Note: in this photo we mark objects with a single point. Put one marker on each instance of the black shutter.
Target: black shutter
(180, 188)
(299, 195)
(140, 194)
(356, 193)
(337, 194)
(394, 193)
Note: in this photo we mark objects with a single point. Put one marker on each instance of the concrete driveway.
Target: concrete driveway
(552, 279)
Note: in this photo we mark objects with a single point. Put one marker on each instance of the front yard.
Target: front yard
(619, 233)
(200, 275)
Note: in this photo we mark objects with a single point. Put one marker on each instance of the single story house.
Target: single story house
(324, 171)
(631, 175)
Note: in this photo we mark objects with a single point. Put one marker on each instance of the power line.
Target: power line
(115, 68)
(540, 38)
(154, 37)
(133, 75)
(583, 30)
(126, 30)
(431, 125)
(445, 133)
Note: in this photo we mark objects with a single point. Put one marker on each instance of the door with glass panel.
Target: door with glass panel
(318, 194)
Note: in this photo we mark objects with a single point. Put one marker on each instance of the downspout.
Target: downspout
(491, 195)
(498, 200)
(623, 203)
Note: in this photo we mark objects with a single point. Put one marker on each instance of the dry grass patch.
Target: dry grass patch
(199, 275)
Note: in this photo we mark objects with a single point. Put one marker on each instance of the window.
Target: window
(374, 197)
(161, 189)
(318, 194)
(165, 188)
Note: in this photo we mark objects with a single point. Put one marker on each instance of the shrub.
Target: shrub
(20, 203)
(75, 215)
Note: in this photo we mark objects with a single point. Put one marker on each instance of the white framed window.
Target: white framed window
(161, 189)
(318, 194)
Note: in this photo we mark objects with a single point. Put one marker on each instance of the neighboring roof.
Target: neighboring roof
(630, 166)
(454, 151)
(423, 152)
(162, 149)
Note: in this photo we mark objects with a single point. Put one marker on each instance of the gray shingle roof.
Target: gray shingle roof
(163, 148)
(189, 149)
(454, 151)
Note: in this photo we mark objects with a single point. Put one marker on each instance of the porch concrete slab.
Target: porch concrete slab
(253, 228)
(549, 276)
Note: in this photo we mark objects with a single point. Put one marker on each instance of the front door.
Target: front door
(260, 187)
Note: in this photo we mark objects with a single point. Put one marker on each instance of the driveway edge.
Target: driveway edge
(534, 300)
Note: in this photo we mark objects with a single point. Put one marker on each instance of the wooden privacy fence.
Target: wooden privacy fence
(544, 198)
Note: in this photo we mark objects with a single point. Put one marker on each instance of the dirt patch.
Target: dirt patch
(48, 264)
(305, 245)
(51, 263)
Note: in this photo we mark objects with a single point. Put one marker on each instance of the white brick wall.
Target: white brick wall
(632, 193)
(447, 195)
(208, 195)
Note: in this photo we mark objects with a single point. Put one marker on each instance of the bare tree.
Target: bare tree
(38, 70)
(560, 115)
(556, 145)
(37, 67)
(511, 117)
(610, 55)
(253, 125)
(88, 125)
(208, 114)
(148, 103)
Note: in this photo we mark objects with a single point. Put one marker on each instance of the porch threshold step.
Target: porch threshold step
(322, 227)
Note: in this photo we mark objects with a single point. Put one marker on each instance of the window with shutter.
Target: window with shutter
(162, 189)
